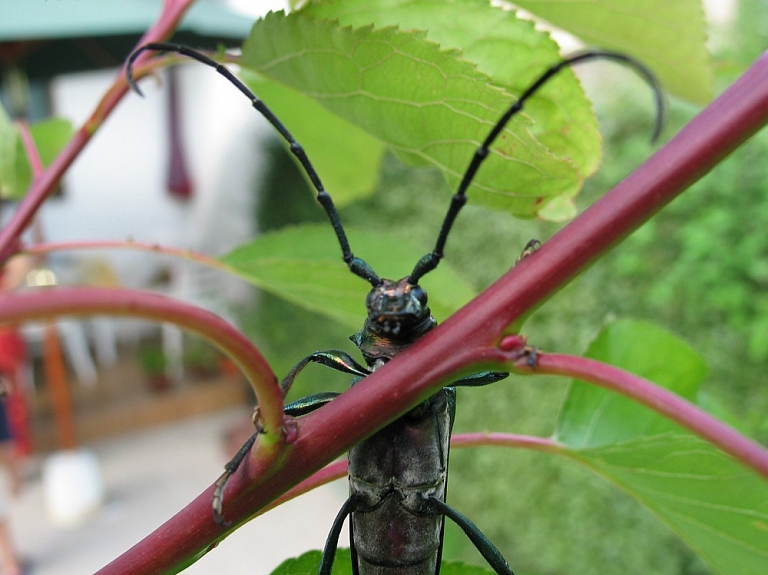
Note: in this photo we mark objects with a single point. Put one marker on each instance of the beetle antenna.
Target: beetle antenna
(430, 261)
(356, 265)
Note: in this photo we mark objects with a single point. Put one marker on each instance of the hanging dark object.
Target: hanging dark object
(177, 180)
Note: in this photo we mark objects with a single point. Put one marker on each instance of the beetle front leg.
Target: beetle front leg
(295, 409)
(336, 359)
(333, 358)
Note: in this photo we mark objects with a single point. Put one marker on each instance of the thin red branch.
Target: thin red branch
(44, 185)
(48, 303)
(29, 147)
(659, 399)
(678, 409)
(185, 254)
(497, 439)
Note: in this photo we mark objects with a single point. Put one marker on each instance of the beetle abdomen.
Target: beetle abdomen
(393, 473)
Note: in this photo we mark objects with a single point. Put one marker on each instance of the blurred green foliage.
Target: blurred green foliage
(700, 267)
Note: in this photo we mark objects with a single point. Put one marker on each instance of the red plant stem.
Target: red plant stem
(44, 185)
(412, 376)
(47, 303)
(185, 254)
(497, 439)
(665, 402)
(332, 472)
(29, 146)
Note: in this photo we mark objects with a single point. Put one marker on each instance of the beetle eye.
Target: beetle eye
(420, 294)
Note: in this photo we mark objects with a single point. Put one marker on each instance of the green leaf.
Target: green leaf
(303, 265)
(8, 137)
(430, 105)
(347, 158)
(309, 563)
(50, 137)
(718, 506)
(560, 209)
(593, 416)
(668, 37)
(510, 50)
(757, 342)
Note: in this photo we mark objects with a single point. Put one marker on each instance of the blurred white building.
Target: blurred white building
(116, 189)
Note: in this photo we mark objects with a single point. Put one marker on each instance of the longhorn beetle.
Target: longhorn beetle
(398, 476)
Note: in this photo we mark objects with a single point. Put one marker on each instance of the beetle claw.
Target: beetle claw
(529, 248)
(232, 465)
(218, 499)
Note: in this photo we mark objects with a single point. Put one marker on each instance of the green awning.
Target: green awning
(49, 37)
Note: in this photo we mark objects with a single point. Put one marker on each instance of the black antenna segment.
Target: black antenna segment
(430, 261)
(356, 265)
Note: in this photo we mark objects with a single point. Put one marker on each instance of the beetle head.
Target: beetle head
(397, 309)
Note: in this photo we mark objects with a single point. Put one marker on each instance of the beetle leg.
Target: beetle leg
(329, 551)
(338, 360)
(297, 408)
(221, 482)
(334, 358)
(479, 379)
(310, 403)
(487, 549)
(529, 248)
